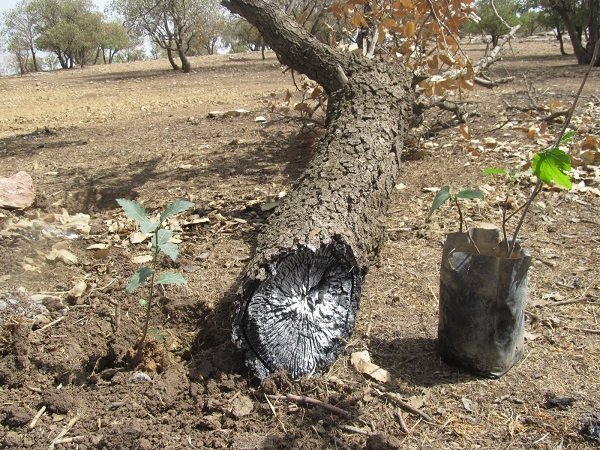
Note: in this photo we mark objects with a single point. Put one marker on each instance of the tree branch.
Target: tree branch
(295, 46)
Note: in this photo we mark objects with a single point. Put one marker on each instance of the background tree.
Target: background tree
(242, 36)
(113, 38)
(581, 20)
(20, 33)
(171, 24)
(68, 28)
(209, 28)
(494, 22)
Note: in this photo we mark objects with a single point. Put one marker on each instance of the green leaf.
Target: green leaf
(169, 249)
(470, 193)
(149, 227)
(567, 137)
(552, 166)
(134, 210)
(178, 206)
(441, 197)
(138, 278)
(170, 278)
(162, 236)
(495, 171)
(143, 302)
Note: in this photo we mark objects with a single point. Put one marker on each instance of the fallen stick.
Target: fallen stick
(68, 440)
(582, 298)
(568, 302)
(64, 431)
(406, 407)
(37, 417)
(356, 430)
(48, 325)
(313, 401)
(584, 330)
(401, 422)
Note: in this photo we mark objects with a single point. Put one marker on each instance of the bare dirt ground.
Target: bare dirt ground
(140, 131)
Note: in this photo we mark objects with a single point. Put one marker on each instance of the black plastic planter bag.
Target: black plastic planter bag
(482, 302)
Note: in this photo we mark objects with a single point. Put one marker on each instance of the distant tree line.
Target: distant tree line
(73, 33)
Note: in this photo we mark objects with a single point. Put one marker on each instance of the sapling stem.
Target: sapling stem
(460, 215)
(538, 186)
(141, 343)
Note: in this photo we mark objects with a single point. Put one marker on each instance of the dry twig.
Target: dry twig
(37, 417)
(301, 399)
(48, 325)
(405, 406)
(401, 422)
(356, 430)
(63, 432)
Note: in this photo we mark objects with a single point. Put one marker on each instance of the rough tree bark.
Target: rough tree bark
(302, 287)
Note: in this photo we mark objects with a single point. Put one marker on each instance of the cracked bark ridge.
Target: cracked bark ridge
(302, 287)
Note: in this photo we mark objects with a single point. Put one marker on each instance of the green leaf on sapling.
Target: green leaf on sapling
(442, 196)
(170, 249)
(470, 193)
(170, 278)
(162, 236)
(138, 278)
(137, 212)
(552, 166)
(174, 208)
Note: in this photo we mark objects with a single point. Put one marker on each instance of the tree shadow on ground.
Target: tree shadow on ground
(221, 66)
(415, 360)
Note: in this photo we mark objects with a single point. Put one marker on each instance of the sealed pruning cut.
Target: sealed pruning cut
(482, 302)
(302, 314)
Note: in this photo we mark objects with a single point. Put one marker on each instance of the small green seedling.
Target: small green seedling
(160, 238)
(445, 195)
(550, 166)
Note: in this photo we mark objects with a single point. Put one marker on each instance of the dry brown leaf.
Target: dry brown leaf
(361, 361)
(464, 131)
(142, 259)
(63, 255)
(137, 237)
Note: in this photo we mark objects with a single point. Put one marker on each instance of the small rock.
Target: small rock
(260, 119)
(16, 191)
(139, 377)
(380, 441)
(242, 406)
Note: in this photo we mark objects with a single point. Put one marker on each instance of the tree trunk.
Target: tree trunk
(185, 62)
(559, 36)
(302, 287)
(174, 65)
(583, 54)
(34, 58)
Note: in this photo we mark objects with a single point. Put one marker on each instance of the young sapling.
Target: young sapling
(444, 195)
(160, 239)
